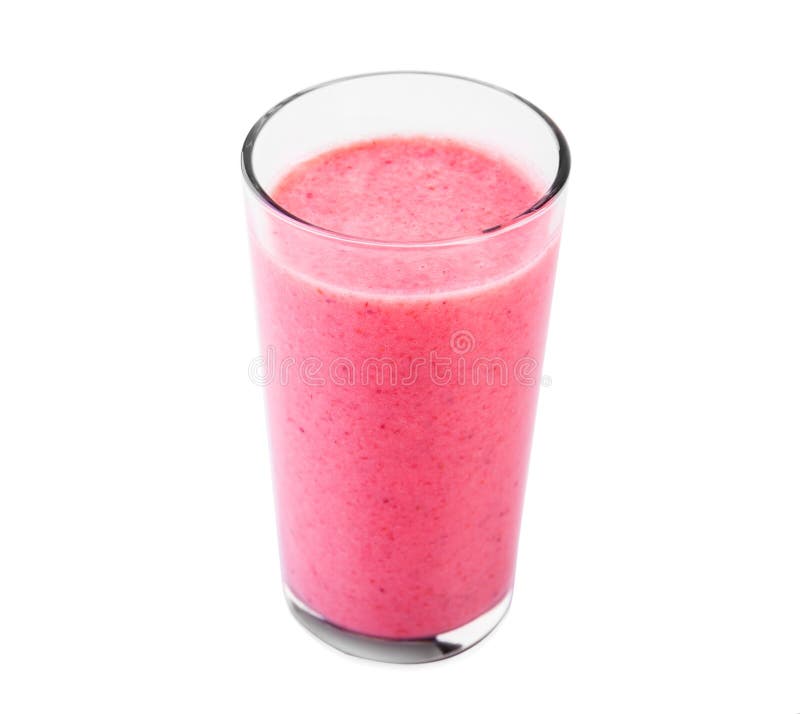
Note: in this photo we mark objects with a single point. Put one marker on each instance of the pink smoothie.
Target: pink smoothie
(399, 489)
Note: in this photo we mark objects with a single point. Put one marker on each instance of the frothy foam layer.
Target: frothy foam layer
(406, 189)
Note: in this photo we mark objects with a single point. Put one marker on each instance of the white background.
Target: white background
(659, 566)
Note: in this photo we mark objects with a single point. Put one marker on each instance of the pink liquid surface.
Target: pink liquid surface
(399, 502)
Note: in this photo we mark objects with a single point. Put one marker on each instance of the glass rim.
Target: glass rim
(547, 199)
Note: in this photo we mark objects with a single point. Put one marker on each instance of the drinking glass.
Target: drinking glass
(401, 377)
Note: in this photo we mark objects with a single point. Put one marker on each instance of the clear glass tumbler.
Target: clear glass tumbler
(401, 378)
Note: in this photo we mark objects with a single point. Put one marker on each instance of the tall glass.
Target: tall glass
(401, 378)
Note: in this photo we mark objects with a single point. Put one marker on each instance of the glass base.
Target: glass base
(409, 651)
